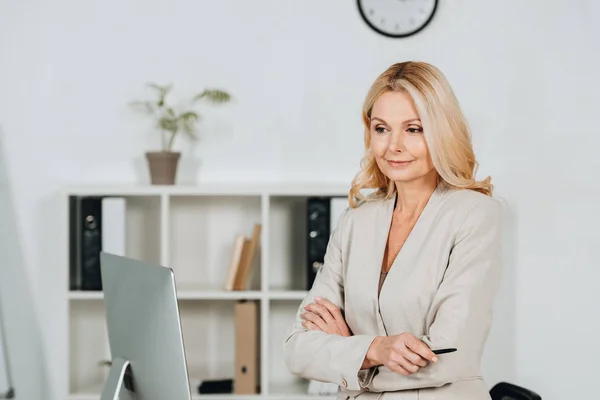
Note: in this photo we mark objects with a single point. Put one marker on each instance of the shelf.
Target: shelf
(287, 295)
(181, 295)
(287, 243)
(282, 314)
(88, 346)
(202, 236)
(296, 389)
(208, 334)
(96, 396)
(208, 295)
(209, 339)
(85, 295)
(285, 391)
(84, 396)
(215, 295)
(225, 397)
(215, 188)
(192, 230)
(91, 396)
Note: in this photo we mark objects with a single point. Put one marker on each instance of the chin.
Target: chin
(406, 175)
(402, 176)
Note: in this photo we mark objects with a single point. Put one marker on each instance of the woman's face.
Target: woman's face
(397, 140)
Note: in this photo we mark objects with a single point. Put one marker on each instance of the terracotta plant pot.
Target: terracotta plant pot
(163, 166)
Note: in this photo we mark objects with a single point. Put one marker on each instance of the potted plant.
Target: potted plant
(163, 164)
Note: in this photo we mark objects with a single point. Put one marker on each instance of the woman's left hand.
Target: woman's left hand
(326, 317)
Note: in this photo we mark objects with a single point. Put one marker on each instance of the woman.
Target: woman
(414, 266)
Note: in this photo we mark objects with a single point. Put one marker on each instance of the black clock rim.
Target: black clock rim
(401, 35)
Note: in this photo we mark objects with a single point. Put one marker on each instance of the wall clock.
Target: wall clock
(397, 18)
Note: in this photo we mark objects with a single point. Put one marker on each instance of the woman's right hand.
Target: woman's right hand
(403, 353)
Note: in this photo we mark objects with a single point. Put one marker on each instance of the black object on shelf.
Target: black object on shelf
(216, 386)
(318, 215)
(85, 242)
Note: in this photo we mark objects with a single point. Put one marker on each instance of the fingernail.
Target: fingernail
(317, 298)
(434, 359)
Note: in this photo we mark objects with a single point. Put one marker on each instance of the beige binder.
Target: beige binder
(247, 366)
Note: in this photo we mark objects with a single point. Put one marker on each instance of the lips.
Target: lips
(398, 163)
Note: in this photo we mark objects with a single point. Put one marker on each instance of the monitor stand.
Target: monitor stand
(118, 384)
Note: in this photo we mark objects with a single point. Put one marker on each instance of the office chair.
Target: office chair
(508, 391)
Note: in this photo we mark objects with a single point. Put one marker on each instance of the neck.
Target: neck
(414, 195)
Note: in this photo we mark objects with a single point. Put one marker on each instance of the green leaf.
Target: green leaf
(214, 95)
(188, 120)
(189, 116)
(163, 90)
(168, 124)
(170, 112)
(171, 121)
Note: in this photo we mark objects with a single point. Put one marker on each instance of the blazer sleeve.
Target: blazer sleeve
(315, 354)
(461, 311)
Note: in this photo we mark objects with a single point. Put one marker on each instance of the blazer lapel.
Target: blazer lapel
(412, 245)
(371, 232)
(375, 235)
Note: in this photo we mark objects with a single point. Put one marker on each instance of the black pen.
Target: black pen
(443, 351)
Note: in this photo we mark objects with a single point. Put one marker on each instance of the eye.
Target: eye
(415, 129)
(380, 129)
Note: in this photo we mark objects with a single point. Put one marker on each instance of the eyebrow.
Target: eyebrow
(404, 122)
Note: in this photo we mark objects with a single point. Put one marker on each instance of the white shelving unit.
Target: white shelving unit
(192, 229)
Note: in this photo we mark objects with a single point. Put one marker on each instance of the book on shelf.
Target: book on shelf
(242, 260)
(234, 266)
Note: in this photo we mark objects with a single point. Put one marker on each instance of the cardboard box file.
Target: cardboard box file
(247, 372)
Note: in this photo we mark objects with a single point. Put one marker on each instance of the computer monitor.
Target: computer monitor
(144, 331)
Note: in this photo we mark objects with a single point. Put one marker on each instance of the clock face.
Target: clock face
(397, 18)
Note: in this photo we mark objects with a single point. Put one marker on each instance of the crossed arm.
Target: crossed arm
(314, 354)
(321, 347)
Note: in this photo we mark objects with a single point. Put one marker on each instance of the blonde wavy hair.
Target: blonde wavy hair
(445, 129)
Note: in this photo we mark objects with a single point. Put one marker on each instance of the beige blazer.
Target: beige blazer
(441, 289)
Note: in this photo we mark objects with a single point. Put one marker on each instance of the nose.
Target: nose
(396, 142)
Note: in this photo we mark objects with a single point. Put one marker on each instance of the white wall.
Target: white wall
(525, 72)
